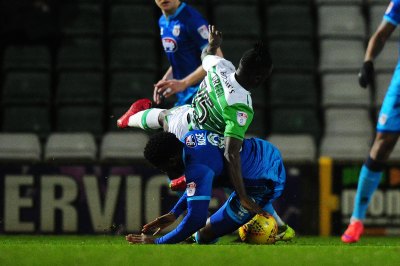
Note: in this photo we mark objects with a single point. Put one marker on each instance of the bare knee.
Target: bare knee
(162, 121)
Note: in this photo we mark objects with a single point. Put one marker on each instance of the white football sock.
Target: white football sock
(147, 119)
(278, 219)
(270, 209)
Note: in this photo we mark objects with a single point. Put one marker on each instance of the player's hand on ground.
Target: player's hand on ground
(167, 88)
(139, 239)
(366, 74)
(159, 224)
(214, 37)
(252, 206)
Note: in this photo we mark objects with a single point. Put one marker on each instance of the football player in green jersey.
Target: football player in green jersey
(223, 105)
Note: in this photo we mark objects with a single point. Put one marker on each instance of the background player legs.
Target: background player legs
(369, 178)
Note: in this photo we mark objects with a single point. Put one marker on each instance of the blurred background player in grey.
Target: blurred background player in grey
(184, 34)
(388, 126)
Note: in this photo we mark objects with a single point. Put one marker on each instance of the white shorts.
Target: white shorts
(177, 120)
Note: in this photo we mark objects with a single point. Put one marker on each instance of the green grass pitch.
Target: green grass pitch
(113, 250)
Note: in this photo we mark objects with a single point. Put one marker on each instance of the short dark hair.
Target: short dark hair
(256, 58)
(161, 147)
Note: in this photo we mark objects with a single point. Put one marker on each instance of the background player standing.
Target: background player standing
(184, 34)
(388, 126)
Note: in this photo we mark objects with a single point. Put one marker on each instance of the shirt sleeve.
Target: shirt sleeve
(195, 219)
(180, 206)
(209, 61)
(392, 14)
(238, 118)
(198, 30)
(198, 195)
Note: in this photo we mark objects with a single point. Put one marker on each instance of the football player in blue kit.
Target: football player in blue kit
(184, 34)
(200, 157)
(388, 126)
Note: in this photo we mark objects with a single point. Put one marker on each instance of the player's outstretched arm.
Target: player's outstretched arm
(159, 223)
(214, 42)
(375, 46)
(232, 157)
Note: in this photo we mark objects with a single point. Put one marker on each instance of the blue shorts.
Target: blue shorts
(261, 195)
(232, 215)
(389, 116)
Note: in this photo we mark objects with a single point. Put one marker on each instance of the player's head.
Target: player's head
(164, 151)
(255, 66)
(168, 7)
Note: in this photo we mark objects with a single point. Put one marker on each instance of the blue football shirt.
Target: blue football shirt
(204, 159)
(203, 155)
(183, 36)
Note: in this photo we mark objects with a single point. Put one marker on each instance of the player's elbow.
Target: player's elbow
(231, 156)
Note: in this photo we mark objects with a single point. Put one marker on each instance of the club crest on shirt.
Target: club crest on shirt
(382, 119)
(190, 141)
(191, 188)
(176, 30)
(216, 140)
(241, 118)
(169, 45)
(203, 31)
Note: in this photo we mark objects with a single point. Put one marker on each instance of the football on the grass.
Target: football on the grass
(262, 229)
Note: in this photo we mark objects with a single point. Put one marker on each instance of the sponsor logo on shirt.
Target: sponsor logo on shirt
(241, 118)
(216, 82)
(176, 30)
(170, 45)
(224, 77)
(190, 141)
(382, 119)
(191, 188)
(389, 8)
(203, 31)
(216, 140)
(201, 139)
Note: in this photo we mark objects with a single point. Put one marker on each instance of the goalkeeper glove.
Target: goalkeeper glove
(366, 74)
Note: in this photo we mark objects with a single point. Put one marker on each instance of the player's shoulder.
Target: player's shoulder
(162, 20)
(191, 15)
(192, 12)
(214, 60)
(209, 61)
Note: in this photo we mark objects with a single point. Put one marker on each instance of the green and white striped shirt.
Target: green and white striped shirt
(221, 104)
